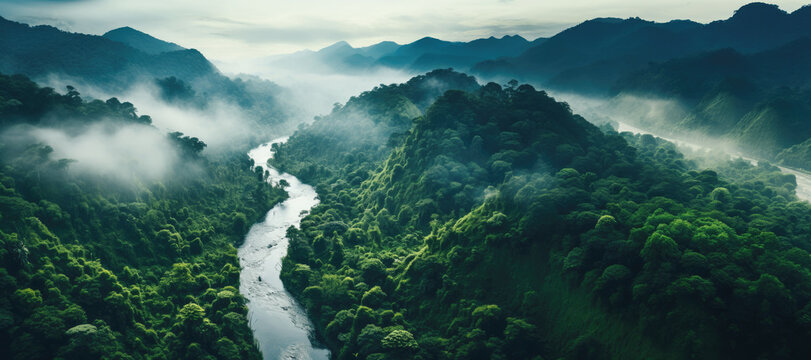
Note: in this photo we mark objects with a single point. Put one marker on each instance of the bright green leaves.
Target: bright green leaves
(400, 341)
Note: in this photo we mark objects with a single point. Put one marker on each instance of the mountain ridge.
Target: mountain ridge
(141, 41)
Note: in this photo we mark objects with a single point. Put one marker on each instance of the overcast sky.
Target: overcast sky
(228, 30)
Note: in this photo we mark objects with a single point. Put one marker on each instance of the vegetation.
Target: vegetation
(92, 268)
(757, 102)
(126, 58)
(501, 225)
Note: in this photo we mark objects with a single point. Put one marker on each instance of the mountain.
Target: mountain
(44, 50)
(756, 100)
(115, 67)
(502, 225)
(743, 80)
(422, 55)
(604, 43)
(430, 53)
(591, 56)
(141, 41)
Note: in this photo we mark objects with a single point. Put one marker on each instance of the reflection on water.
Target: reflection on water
(279, 324)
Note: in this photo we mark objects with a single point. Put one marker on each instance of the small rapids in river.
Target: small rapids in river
(280, 325)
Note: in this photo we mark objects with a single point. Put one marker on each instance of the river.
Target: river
(279, 323)
(803, 189)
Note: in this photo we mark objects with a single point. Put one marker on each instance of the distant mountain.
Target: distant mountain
(591, 56)
(141, 41)
(125, 57)
(691, 78)
(759, 100)
(430, 53)
(38, 51)
(422, 55)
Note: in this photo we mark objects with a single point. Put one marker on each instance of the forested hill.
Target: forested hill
(42, 50)
(118, 265)
(362, 132)
(501, 225)
(126, 58)
(758, 102)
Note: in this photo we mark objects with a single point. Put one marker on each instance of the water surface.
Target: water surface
(279, 323)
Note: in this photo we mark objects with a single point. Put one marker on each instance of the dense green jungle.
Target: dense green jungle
(501, 225)
(122, 269)
(612, 188)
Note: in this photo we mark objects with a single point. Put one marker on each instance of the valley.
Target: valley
(500, 180)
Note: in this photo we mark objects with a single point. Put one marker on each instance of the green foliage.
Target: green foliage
(501, 225)
(92, 269)
(400, 342)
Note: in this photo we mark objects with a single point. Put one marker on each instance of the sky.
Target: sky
(229, 30)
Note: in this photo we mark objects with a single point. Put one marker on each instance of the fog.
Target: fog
(221, 125)
(128, 151)
(108, 148)
(313, 88)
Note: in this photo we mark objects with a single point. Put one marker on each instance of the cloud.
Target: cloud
(222, 126)
(118, 151)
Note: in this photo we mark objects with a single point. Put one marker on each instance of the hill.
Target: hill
(43, 50)
(184, 77)
(127, 263)
(757, 101)
(141, 41)
(501, 225)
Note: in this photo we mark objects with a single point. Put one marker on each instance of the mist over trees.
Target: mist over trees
(456, 219)
(119, 265)
(501, 225)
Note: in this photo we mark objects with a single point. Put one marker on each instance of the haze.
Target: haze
(238, 29)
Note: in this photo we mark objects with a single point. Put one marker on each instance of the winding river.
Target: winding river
(279, 323)
(803, 189)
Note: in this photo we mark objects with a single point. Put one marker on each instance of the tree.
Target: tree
(660, 248)
(374, 272)
(489, 318)
(400, 342)
(373, 298)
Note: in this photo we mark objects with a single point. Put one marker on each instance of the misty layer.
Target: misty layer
(221, 125)
(121, 151)
(93, 269)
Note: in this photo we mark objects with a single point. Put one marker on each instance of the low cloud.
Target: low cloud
(107, 148)
(313, 88)
(221, 125)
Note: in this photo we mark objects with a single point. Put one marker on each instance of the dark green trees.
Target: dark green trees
(93, 269)
(503, 226)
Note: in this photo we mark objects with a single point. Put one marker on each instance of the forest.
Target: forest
(95, 268)
(461, 209)
(502, 225)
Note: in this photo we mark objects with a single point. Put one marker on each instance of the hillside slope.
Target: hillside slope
(504, 226)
